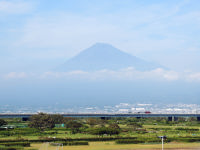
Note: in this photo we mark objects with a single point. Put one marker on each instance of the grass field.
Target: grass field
(113, 146)
(183, 134)
(157, 130)
(153, 131)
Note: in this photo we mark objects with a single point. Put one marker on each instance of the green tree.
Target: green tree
(134, 125)
(92, 122)
(114, 126)
(42, 121)
(74, 126)
(2, 122)
(66, 119)
(102, 122)
(57, 119)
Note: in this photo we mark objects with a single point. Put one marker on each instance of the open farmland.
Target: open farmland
(97, 133)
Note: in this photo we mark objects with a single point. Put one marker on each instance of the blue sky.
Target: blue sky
(47, 32)
(38, 35)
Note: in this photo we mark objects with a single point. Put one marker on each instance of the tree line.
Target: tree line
(95, 126)
(43, 121)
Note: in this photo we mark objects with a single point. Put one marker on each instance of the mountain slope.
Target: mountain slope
(104, 56)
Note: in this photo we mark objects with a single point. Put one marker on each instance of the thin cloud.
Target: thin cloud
(194, 76)
(126, 74)
(15, 7)
(15, 75)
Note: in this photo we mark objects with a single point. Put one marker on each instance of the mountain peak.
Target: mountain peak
(104, 56)
(99, 44)
(101, 47)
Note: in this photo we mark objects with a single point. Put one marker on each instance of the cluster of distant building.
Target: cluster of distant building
(120, 108)
(158, 108)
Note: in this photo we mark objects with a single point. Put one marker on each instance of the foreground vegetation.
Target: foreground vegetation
(111, 132)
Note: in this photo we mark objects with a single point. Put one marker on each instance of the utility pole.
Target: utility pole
(162, 139)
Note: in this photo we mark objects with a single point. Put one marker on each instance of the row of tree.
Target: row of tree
(44, 121)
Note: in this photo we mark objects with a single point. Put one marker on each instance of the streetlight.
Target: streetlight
(162, 138)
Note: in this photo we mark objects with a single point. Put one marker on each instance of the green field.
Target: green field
(111, 133)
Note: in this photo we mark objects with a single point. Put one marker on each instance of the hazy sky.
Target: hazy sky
(38, 35)
(41, 34)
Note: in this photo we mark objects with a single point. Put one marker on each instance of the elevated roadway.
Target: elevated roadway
(141, 115)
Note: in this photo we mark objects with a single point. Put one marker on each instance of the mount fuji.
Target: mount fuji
(102, 56)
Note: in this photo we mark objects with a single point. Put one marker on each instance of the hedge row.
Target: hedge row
(76, 143)
(72, 143)
(187, 139)
(186, 129)
(158, 129)
(23, 144)
(20, 132)
(46, 139)
(83, 139)
(12, 141)
(147, 140)
(129, 141)
(137, 141)
(11, 148)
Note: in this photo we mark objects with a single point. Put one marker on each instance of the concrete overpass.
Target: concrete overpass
(170, 117)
